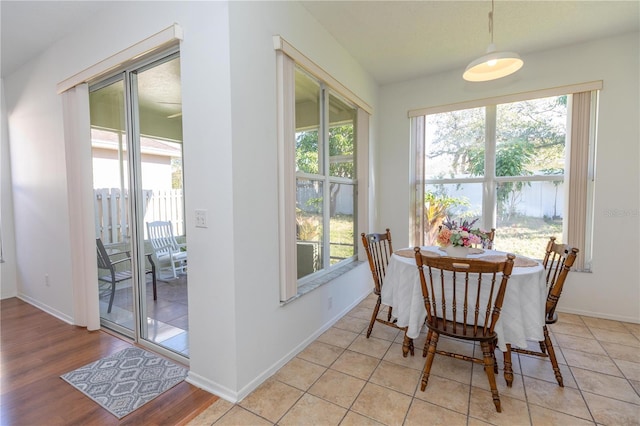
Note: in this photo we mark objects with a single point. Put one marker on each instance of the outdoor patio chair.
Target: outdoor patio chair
(168, 253)
(120, 269)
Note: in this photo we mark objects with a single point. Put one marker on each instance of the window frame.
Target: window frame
(287, 58)
(581, 139)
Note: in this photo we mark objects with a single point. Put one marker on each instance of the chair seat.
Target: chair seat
(116, 276)
(461, 331)
(178, 255)
(120, 276)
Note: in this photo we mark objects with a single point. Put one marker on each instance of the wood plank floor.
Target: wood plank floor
(36, 348)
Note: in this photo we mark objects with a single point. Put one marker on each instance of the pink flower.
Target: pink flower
(443, 237)
(474, 239)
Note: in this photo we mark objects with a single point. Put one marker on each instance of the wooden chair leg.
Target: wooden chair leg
(488, 368)
(432, 342)
(552, 357)
(426, 343)
(407, 345)
(374, 316)
(508, 367)
(543, 347)
(493, 346)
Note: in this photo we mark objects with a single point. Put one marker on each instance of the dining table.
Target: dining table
(523, 310)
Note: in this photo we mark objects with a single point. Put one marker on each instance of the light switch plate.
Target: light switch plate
(201, 218)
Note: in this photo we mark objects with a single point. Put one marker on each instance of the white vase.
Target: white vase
(456, 251)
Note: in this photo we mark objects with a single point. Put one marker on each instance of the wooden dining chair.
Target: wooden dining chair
(557, 262)
(463, 299)
(488, 243)
(379, 250)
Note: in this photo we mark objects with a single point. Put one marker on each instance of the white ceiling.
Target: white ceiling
(27, 28)
(393, 40)
(401, 40)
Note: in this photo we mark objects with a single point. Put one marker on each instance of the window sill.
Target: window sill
(321, 280)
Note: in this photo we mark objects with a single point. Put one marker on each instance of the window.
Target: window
(506, 164)
(322, 128)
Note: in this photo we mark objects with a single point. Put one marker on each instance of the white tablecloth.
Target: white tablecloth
(522, 315)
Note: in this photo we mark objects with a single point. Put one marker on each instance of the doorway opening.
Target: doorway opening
(141, 241)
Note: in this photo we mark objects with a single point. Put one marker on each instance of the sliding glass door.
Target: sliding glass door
(136, 133)
(111, 192)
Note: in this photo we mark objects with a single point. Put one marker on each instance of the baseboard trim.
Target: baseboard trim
(235, 397)
(212, 387)
(46, 308)
(600, 315)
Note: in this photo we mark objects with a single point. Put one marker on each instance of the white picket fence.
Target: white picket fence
(112, 219)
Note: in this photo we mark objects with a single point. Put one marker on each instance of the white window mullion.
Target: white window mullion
(489, 186)
(587, 254)
(364, 169)
(416, 174)
(323, 136)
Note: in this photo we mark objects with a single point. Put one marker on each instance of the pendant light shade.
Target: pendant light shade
(494, 64)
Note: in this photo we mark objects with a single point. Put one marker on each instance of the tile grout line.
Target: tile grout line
(392, 346)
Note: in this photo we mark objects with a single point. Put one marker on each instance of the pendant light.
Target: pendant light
(494, 64)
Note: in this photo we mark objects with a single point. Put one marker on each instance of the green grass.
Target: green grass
(341, 233)
(341, 238)
(526, 236)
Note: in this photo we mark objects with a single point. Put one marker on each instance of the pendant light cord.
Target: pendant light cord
(491, 22)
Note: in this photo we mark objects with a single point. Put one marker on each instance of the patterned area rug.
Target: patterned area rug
(126, 380)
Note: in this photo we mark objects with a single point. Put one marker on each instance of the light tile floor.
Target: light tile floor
(343, 378)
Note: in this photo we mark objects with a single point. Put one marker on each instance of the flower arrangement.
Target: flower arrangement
(460, 234)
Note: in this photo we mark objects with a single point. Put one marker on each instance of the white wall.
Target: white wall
(264, 327)
(39, 183)
(156, 170)
(8, 283)
(612, 290)
(239, 333)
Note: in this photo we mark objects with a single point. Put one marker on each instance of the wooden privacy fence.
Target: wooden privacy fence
(112, 219)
